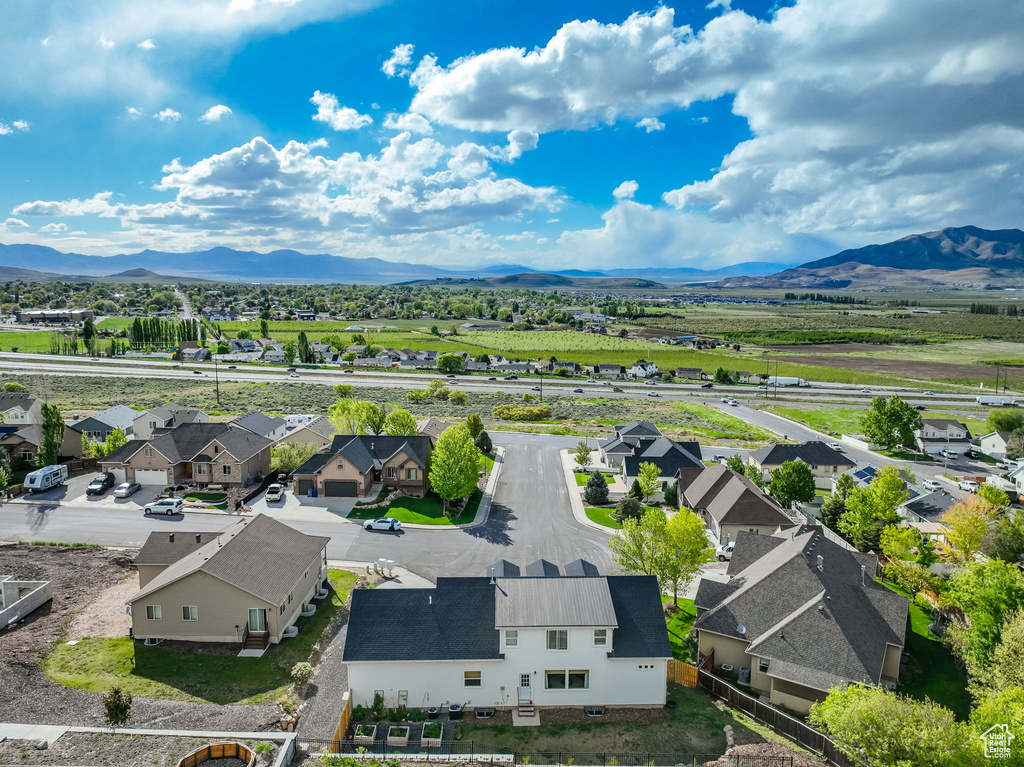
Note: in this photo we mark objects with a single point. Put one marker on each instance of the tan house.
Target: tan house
(151, 423)
(20, 408)
(200, 453)
(823, 460)
(730, 503)
(354, 464)
(318, 431)
(801, 614)
(21, 443)
(248, 583)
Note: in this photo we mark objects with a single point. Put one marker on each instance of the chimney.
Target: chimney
(821, 563)
(199, 538)
(172, 537)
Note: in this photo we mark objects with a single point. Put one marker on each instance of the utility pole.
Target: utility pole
(216, 379)
(542, 386)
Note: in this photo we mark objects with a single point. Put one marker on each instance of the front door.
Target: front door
(257, 620)
(525, 693)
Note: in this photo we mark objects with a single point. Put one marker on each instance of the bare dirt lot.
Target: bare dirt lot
(105, 616)
(117, 750)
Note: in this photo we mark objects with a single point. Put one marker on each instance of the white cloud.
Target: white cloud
(338, 117)
(22, 125)
(701, 119)
(650, 124)
(53, 228)
(725, 5)
(410, 121)
(167, 115)
(520, 141)
(147, 44)
(104, 42)
(14, 224)
(133, 113)
(399, 61)
(215, 113)
(625, 190)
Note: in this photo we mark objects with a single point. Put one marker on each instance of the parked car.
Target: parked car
(950, 454)
(968, 484)
(384, 523)
(616, 388)
(724, 552)
(1005, 466)
(971, 453)
(707, 385)
(718, 458)
(275, 493)
(577, 391)
(168, 506)
(101, 484)
(931, 484)
(127, 489)
(836, 446)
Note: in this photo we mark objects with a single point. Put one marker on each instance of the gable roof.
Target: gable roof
(120, 416)
(367, 452)
(617, 446)
(20, 399)
(641, 631)
(261, 556)
(581, 568)
(162, 548)
(812, 453)
(943, 423)
(667, 455)
(552, 602)
(123, 453)
(541, 568)
(637, 429)
(738, 501)
(314, 463)
(930, 507)
(502, 569)
(187, 441)
(258, 423)
(174, 413)
(92, 423)
(818, 627)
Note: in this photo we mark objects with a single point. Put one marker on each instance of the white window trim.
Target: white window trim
(190, 609)
(603, 638)
(157, 610)
(468, 681)
(514, 634)
(556, 632)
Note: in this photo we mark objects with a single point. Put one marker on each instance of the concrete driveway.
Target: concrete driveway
(69, 492)
(108, 501)
(301, 507)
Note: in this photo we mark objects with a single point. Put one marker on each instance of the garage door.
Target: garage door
(151, 477)
(339, 489)
(118, 475)
(305, 485)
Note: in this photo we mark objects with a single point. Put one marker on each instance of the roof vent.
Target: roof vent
(741, 629)
(199, 538)
(821, 563)
(430, 599)
(863, 575)
(172, 537)
(821, 607)
(218, 544)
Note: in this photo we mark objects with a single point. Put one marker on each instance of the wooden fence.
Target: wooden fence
(343, 721)
(682, 673)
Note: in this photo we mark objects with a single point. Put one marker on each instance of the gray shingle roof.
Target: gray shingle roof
(740, 502)
(258, 423)
(542, 569)
(667, 455)
(314, 463)
(617, 446)
(366, 452)
(242, 444)
(811, 453)
(502, 569)
(637, 429)
(123, 453)
(261, 556)
(930, 507)
(162, 548)
(555, 602)
(641, 632)
(817, 627)
(581, 568)
(23, 400)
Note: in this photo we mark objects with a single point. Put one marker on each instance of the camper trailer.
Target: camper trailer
(45, 478)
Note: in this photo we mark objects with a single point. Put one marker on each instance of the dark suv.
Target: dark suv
(101, 484)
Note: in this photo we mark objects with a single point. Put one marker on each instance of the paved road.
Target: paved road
(530, 518)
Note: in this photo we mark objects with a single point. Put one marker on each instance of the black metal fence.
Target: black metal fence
(481, 752)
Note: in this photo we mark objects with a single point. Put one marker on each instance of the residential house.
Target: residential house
(354, 464)
(472, 366)
(244, 345)
(251, 581)
(269, 427)
(823, 461)
(938, 434)
(380, 361)
(432, 427)
(92, 428)
(119, 417)
(802, 615)
(20, 408)
(200, 453)
(993, 444)
(746, 377)
(927, 508)
(149, 423)
(667, 455)
(360, 350)
(729, 503)
(190, 351)
(644, 370)
(692, 374)
(629, 437)
(510, 642)
(20, 443)
(316, 431)
(515, 368)
(474, 326)
(572, 368)
(610, 371)
(273, 356)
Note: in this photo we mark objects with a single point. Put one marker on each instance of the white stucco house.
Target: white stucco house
(938, 434)
(644, 370)
(539, 638)
(994, 443)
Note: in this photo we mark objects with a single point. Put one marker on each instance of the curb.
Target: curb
(58, 504)
(483, 511)
(575, 498)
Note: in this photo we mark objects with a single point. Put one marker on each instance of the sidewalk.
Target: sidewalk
(575, 494)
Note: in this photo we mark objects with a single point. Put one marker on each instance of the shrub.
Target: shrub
(302, 672)
(417, 395)
(118, 706)
(521, 412)
(628, 508)
(672, 495)
(636, 491)
(457, 397)
(483, 442)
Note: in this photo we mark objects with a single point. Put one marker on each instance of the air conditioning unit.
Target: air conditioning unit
(726, 668)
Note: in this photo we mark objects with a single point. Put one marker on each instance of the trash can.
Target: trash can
(455, 712)
(314, 492)
(309, 493)
(744, 677)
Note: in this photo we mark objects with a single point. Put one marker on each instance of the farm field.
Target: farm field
(838, 421)
(116, 323)
(25, 341)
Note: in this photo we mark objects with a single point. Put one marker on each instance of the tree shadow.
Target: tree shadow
(496, 529)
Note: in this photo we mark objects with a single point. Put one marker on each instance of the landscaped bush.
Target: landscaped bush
(432, 730)
(521, 412)
(302, 672)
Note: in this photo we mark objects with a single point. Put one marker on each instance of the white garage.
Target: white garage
(118, 475)
(151, 477)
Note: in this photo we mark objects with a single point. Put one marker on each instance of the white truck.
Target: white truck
(45, 478)
(996, 401)
(786, 381)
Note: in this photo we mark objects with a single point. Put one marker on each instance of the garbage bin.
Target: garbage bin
(455, 712)
(309, 493)
(314, 492)
(744, 677)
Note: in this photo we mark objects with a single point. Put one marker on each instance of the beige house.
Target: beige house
(248, 583)
(730, 503)
(151, 423)
(200, 453)
(823, 461)
(318, 431)
(20, 408)
(354, 464)
(800, 614)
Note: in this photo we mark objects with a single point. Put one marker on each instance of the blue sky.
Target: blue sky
(557, 135)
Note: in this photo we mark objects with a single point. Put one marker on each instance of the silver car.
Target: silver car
(127, 489)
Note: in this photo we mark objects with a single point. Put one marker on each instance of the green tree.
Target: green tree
(687, 551)
(835, 505)
(115, 440)
(53, 435)
(117, 706)
(417, 396)
(1006, 667)
(885, 729)
(890, 422)
(966, 525)
(649, 475)
(735, 462)
(287, 457)
(869, 509)
(400, 423)
(755, 475)
(289, 352)
(457, 397)
(595, 492)
(582, 454)
(371, 417)
(641, 546)
(792, 481)
(450, 363)
(628, 507)
(475, 425)
(264, 329)
(987, 592)
(1005, 419)
(672, 495)
(344, 414)
(994, 496)
(5, 476)
(1015, 445)
(483, 443)
(243, 335)
(900, 542)
(1005, 539)
(454, 465)
(722, 376)
(344, 391)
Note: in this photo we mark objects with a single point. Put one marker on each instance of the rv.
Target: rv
(45, 478)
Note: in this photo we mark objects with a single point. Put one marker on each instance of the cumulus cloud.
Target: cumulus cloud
(650, 124)
(104, 42)
(147, 44)
(725, 5)
(399, 61)
(167, 115)
(22, 124)
(625, 190)
(410, 121)
(53, 228)
(14, 224)
(133, 113)
(520, 141)
(338, 117)
(215, 113)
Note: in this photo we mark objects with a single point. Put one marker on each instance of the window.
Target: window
(152, 425)
(154, 612)
(511, 639)
(762, 665)
(472, 679)
(190, 613)
(281, 611)
(391, 472)
(558, 639)
(202, 469)
(216, 449)
(554, 680)
(411, 474)
(600, 637)
(289, 599)
(226, 468)
(579, 680)
(341, 464)
(148, 452)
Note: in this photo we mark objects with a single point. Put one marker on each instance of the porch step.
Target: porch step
(526, 710)
(254, 643)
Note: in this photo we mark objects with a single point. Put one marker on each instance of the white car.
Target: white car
(168, 506)
(931, 484)
(275, 493)
(293, 375)
(968, 484)
(724, 552)
(127, 489)
(836, 446)
(950, 454)
(650, 382)
(384, 523)
(865, 391)
(732, 402)
(653, 394)
(929, 394)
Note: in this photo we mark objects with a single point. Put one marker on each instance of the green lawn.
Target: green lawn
(116, 323)
(26, 341)
(96, 664)
(694, 726)
(582, 477)
(937, 675)
(838, 420)
(679, 626)
(603, 516)
(213, 500)
(420, 511)
(726, 426)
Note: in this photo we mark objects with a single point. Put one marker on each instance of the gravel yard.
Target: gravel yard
(119, 749)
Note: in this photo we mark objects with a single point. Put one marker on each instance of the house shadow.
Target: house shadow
(496, 529)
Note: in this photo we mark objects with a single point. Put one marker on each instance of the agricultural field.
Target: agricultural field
(25, 341)
(116, 323)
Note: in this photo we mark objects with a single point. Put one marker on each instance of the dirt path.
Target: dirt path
(105, 615)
